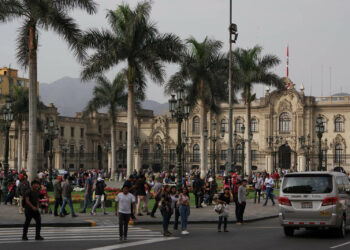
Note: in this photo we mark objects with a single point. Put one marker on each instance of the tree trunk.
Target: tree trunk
(203, 120)
(113, 146)
(32, 151)
(19, 147)
(130, 129)
(248, 169)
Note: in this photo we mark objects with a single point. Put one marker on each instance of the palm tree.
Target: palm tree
(134, 40)
(113, 96)
(251, 68)
(45, 15)
(203, 73)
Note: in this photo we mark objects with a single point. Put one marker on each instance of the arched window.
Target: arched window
(158, 154)
(195, 125)
(196, 153)
(339, 124)
(338, 153)
(284, 122)
(239, 125)
(223, 125)
(254, 125)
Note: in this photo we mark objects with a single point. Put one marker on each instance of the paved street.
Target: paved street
(256, 235)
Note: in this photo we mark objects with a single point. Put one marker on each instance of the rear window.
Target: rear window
(307, 184)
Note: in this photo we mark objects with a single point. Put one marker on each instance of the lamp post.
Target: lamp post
(7, 117)
(233, 34)
(51, 133)
(179, 110)
(124, 149)
(274, 145)
(242, 142)
(325, 154)
(308, 146)
(107, 147)
(184, 143)
(319, 131)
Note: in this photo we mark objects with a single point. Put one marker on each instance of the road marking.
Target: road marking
(131, 244)
(341, 245)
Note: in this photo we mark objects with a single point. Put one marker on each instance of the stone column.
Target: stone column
(269, 161)
(301, 162)
(137, 160)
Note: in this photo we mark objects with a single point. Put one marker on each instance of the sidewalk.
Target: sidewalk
(9, 217)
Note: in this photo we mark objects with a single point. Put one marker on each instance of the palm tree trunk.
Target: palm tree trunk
(203, 151)
(130, 128)
(113, 146)
(19, 148)
(248, 169)
(32, 152)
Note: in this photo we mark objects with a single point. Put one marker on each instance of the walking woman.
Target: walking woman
(224, 199)
(184, 207)
(174, 206)
(165, 209)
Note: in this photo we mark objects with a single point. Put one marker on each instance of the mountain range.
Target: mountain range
(70, 95)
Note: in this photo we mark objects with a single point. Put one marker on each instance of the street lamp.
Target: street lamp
(51, 133)
(184, 143)
(233, 34)
(274, 144)
(308, 146)
(325, 154)
(319, 131)
(180, 110)
(7, 116)
(64, 148)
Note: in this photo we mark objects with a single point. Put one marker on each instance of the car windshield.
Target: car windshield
(307, 184)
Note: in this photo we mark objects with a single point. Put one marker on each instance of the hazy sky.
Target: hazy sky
(317, 31)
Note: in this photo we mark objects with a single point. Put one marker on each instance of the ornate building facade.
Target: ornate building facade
(283, 122)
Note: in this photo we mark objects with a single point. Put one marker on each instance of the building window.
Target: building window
(239, 125)
(62, 131)
(196, 153)
(172, 155)
(120, 135)
(339, 124)
(284, 122)
(20, 83)
(239, 153)
(72, 132)
(71, 150)
(338, 153)
(99, 129)
(81, 132)
(223, 155)
(254, 125)
(81, 151)
(195, 125)
(223, 125)
(145, 154)
(158, 154)
(254, 155)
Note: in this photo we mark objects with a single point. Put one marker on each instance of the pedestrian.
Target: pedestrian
(174, 206)
(140, 192)
(67, 190)
(123, 204)
(11, 193)
(184, 208)
(166, 209)
(23, 187)
(258, 183)
(31, 210)
(100, 196)
(224, 199)
(88, 192)
(57, 190)
(269, 183)
(235, 197)
(157, 194)
(198, 191)
(242, 193)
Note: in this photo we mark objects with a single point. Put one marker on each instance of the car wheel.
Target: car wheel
(341, 231)
(288, 231)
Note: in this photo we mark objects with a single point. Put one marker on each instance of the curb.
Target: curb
(87, 223)
(207, 222)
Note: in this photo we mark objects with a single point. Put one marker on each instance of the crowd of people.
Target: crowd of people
(137, 190)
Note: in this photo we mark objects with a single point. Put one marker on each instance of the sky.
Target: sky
(317, 32)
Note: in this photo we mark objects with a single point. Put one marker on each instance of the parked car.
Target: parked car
(315, 200)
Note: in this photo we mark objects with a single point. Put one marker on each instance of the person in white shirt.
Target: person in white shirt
(258, 183)
(269, 183)
(123, 203)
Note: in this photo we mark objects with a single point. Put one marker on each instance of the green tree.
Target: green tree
(111, 95)
(44, 15)
(203, 73)
(134, 40)
(251, 68)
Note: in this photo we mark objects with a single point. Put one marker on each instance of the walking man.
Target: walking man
(157, 194)
(269, 183)
(123, 204)
(23, 187)
(67, 190)
(258, 183)
(57, 190)
(100, 196)
(88, 192)
(32, 210)
(242, 193)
